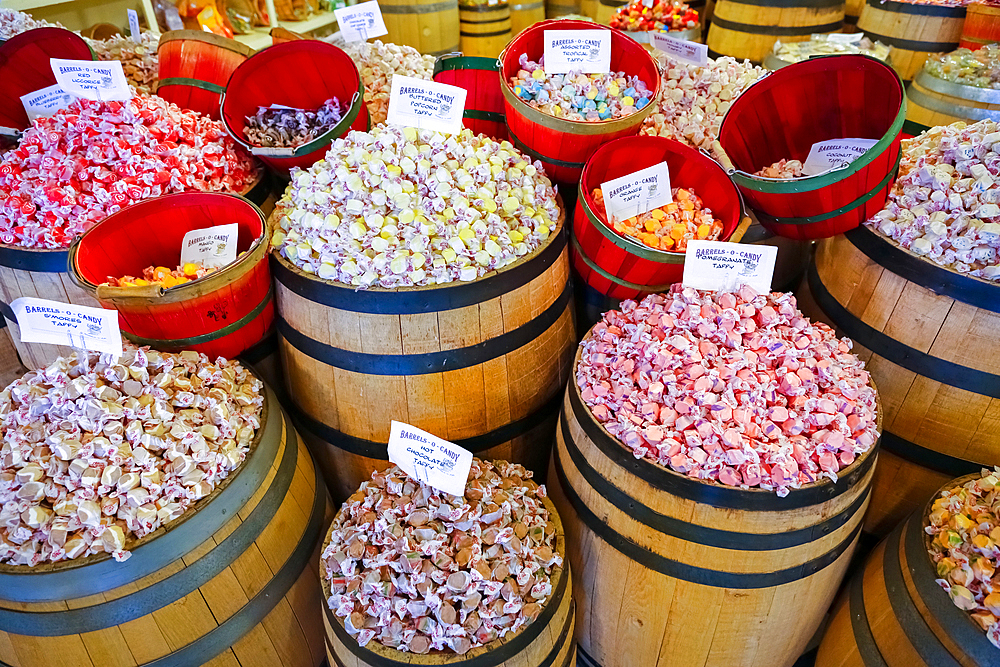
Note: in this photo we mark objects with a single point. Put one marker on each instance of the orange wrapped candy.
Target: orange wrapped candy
(670, 226)
(161, 275)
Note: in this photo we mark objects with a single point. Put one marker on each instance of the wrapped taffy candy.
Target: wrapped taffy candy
(823, 45)
(161, 275)
(278, 126)
(139, 59)
(945, 204)
(661, 16)
(419, 570)
(980, 68)
(97, 451)
(397, 207)
(377, 62)
(737, 388)
(671, 226)
(694, 99)
(783, 169)
(964, 525)
(76, 167)
(578, 96)
(13, 22)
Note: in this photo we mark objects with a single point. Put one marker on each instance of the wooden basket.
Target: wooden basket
(981, 27)
(912, 31)
(321, 71)
(222, 314)
(932, 101)
(785, 113)
(564, 146)
(484, 29)
(653, 550)
(195, 67)
(624, 268)
(25, 68)
(429, 26)
(747, 29)
(525, 14)
(230, 582)
(484, 102)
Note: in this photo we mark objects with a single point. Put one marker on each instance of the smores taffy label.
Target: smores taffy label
(82, 327)
(103, 81)
(361, 22)
(587, 51)
(689, 52)
(637, 193)
(426, 457)
(426, 105)
(719, 265)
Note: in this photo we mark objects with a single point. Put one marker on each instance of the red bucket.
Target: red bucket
(785, 113)
(194, 67)
(623, 268)
(484, 102)
(222, 314)
(302, 74)
(564, 146)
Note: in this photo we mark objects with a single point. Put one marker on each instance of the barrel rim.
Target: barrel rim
(952, 89)
(207, 37)
(898, 7)
(459, 61)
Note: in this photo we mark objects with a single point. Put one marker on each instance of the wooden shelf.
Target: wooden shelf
(261, 38)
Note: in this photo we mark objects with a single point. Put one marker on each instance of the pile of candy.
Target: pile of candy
(937, 3)
(139, 59)
(284, 127)
(397, 207)
(419, 570)
(782, 169)
(670, 226)
(95, 451)
(83, 163)
(161, 275)
(694, 99)
(580, 97)
(945, 204)
(13, 22)
(738, 388)
(377, 62)
(965, 548)
(662, 16)
(980, 68)
(821, 45)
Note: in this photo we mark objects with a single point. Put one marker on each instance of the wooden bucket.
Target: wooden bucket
(654, 551)
(546, 642)
(195, 67)
(321, 71)
(480, 363)
(928, 336)
(556, 8)
(912, 31)
(852, 10)
(624, 268)
(747, 29)
(894, 614)
(25, 68)
(233, 581)
(429, 26)
(222, 314)
(931, 101)
(484, 102)
(564, 146)
(786, 112)
(484, 29)
(524, 14)
(982, 25)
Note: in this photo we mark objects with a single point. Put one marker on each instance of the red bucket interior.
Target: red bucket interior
(150, 233)
(25, 68)
(302, 74)
(688, 169)
(831, 97)
(626, 54)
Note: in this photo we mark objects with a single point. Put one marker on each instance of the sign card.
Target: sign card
(46, 101)
(637, 193)
(361, 22)
(587, 51)
(827, 155)
(427, 105)
(689, 52)
(211, 247)
(133, 25)
(82, 327)
(719, 265)
(428, 458)
(104, 81)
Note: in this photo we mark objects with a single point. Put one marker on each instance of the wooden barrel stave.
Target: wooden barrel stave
(932, 101)
(556, 8)
(981, 27)
(912, 31)
(484, 29)
(430, 26)
(749, 28)
(524, 14)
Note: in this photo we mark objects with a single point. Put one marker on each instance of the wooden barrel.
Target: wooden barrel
(588, 8)
(265, 360)
(928, 336)
(912, 31)
(894, 614)
(655, 552)
(429, 26)
(556, 8)
(195, 67)
(931, 101)
(484, 102)
(545, 642)
(234, 581)
(606, 9)
(981, 27)
(524, 14)
(852, 10)
(484, 29)
(480, 363)
(747, 29)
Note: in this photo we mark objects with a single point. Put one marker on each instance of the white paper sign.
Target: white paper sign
(46, 101)
(211, 247)
(92, 80)
(9, 132)
(718, 265)
(133, 24)
(44, 321)
(587, 51)
(637, 193)
(361, 22)
(827, 155)
(427, 105)
(846, 38)
(426, 457)
(689, 52)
